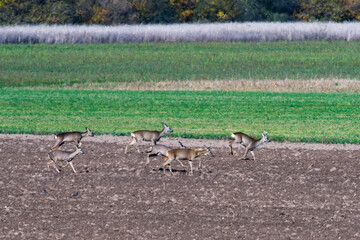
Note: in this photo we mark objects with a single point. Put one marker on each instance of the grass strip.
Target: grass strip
(305, 117)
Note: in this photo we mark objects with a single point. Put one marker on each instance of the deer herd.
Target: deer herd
(170, 154)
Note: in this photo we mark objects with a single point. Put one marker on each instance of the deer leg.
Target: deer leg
(48, 164)
(59, 145)
(200, 166)
(170, 169)
(180, 162)
(65, 164)
(78, 143)
(137, 144)
(56, 144)
(133, 141)
(252, 152)
(246, 152)
(230, 146)
(71, 165)
(56, 167)
(148, 159)
(167, 160)
(52, 163)
(191, 168)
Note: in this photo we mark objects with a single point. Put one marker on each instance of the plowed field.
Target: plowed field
(291, 191)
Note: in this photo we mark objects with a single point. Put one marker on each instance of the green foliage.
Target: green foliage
(65, 65)
(309, 117)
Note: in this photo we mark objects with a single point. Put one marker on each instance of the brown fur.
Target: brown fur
(66, 156)
(146, 135)
(185, 154)
(71, 137)
(248, 142)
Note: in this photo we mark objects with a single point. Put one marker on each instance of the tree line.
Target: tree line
(112, 12)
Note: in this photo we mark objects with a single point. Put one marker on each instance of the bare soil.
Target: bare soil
(287, 85)
(291, 191)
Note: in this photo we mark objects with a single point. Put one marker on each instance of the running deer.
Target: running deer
(185, 154)
(66, 156)
(160, 149)
(248, 142)
(146, 135)
(71, 137)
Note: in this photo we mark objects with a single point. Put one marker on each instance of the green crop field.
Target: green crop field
(310, 117)
(65, 64)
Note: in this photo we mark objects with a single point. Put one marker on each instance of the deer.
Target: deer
(160, 149)
(67, 156)
(71, 137)
(185, 154)
(147, 135)
(248, 142)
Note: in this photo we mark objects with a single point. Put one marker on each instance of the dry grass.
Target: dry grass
(218, 32)
(322, 85)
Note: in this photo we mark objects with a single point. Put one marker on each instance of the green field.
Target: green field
(310, 117)
(64, 65)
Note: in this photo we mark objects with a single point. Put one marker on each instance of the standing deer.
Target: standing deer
(160, 149)
(71, 137)
(146, 135)
(248, 142)
(58, 155)
(185, 154)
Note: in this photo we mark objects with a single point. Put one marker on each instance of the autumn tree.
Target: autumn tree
(217, 10)
(328, 10)
(109, 12)
(118, 12)
(183, 9)
(36, 11)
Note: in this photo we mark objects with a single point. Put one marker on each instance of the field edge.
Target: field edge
(240, 85)
(191, 142)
